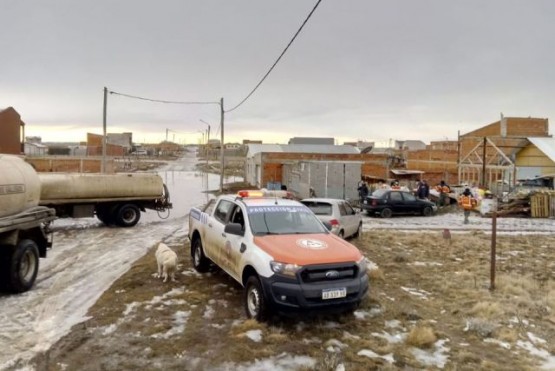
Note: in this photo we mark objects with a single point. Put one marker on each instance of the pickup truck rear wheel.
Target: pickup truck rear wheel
(255, 303)
(20, 266)
(200, 262)
(128, 215)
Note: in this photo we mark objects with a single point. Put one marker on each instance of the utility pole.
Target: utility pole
(484, 164)
(103, 163)
(222, 144)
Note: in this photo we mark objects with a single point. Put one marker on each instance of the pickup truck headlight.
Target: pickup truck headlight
(363, 264)
(285, 269)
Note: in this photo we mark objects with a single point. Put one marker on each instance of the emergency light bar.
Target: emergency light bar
(264, 193)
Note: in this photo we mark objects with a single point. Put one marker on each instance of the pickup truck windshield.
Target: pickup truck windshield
(283, 220)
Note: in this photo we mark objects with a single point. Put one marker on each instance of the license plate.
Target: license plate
(334, 293)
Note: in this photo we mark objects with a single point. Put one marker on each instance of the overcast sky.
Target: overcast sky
(359, 70)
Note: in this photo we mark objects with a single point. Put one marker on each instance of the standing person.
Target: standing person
(467, 202)
(362, 191)
(423, 190)
(443, 190)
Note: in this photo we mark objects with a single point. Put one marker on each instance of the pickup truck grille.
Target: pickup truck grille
(327, 273)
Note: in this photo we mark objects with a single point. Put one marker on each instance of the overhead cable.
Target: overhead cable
(159, 100)
(279, 58)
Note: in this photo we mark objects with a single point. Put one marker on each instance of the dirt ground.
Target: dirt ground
(429, 307)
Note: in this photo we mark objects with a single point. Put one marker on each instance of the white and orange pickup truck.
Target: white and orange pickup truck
(280, 252)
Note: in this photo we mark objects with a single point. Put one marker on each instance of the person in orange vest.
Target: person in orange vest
(467, 202)
(443, 189)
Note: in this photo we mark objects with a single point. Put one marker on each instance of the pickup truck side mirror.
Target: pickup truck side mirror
(234, 228)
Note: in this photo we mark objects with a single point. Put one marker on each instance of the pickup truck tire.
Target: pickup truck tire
(255, 303)
(200, 261)
(20, 266)
(128, 215)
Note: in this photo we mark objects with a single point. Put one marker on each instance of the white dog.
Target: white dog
(167, 262)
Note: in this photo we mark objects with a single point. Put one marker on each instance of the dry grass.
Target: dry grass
(421, 337)
(448, 297)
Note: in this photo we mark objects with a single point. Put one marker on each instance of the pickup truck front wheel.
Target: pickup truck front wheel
(20, 266)
(255, 303)
(200, 262)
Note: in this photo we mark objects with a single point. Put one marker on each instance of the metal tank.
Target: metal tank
(62, 187)
(19, 185)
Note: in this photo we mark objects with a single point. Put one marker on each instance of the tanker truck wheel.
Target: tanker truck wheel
(20, 266)
(128, 215)
(105, 213)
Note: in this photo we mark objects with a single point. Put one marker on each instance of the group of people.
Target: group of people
(467, 201)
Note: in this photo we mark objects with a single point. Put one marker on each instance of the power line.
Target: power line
(160, 100)
(279, 58)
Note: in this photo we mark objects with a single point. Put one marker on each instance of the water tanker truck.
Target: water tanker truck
(24, 232)
(115, 199)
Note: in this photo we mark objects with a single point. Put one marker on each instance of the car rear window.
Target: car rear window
(319, 208)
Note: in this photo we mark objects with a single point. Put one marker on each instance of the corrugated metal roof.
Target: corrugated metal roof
(544, 144)
(301, 148)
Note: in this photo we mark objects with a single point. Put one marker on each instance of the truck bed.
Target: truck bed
(27, 219)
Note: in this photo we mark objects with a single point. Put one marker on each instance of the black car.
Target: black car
(386, 202)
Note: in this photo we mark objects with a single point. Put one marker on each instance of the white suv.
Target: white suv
(344, 219)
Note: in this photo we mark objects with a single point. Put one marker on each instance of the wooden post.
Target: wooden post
(493, 249)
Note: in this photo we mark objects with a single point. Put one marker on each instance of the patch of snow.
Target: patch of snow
(335, 346)
(208, 312)
(109, 329)
(436, 357)
(254, 335)
(191, 272)
(426, 264)
(282, 362)
(392, 339)
(311, 341)
(130, 308)
(179, 321)
(370, 354)
(393, 323)
(548, 358)
(502, 344)
(347, 335)
(340, 367)
(422, 294)
(331, 324)
(373, 312)
(534, 339)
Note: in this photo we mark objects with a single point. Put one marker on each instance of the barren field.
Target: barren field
(430, 307)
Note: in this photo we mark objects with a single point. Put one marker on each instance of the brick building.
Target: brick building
(12, 131)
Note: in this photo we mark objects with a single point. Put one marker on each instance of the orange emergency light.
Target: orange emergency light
(250, 193)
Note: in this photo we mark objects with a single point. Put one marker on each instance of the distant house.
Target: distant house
(536, 159)
(310, 140)
(412, 145)
(498, 145)
(12, 131)
(35, 149)
(331, 171)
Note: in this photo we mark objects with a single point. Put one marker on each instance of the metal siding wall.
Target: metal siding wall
(331, 179)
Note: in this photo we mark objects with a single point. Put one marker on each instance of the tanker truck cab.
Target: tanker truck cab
(279, 251)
